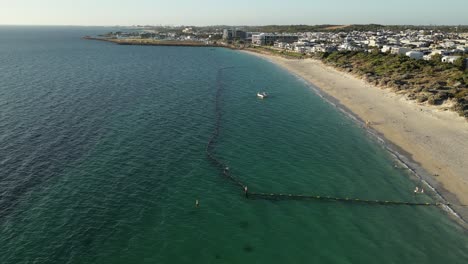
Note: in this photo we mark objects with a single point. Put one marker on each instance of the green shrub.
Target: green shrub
(415, 77)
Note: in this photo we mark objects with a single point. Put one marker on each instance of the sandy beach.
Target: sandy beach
(432, 140)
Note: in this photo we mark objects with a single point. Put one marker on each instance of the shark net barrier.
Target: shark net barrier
(224, 169)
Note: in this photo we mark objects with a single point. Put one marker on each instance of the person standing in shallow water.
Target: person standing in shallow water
(246, 192)
(419, 190)
(197, 203)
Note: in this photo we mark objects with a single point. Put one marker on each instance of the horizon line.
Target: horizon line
(219, 25)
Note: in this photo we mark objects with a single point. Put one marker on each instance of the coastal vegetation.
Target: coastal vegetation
(430, 81)
(278, 52)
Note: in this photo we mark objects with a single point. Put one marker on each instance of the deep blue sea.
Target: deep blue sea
(102, 156)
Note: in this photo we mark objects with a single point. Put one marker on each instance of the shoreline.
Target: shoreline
(430, 142)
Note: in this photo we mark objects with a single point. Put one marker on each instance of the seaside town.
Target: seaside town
(414, 43)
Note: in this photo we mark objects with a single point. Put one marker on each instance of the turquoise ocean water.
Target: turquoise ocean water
(102, 156)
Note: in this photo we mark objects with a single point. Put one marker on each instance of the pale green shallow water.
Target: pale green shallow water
(102, 155)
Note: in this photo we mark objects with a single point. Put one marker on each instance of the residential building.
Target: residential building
(386, 48)
(417, 55)
(450, 59)
(462, 48)
(248, 36)
(227, 34)
(270, 39)
(234, 34)
(400, 50)
(187, 30)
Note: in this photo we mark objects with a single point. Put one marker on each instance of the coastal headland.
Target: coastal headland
(430, 139)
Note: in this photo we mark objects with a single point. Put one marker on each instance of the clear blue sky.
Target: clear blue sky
(234, 12)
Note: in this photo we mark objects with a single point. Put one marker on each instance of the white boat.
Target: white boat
(262, 95)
